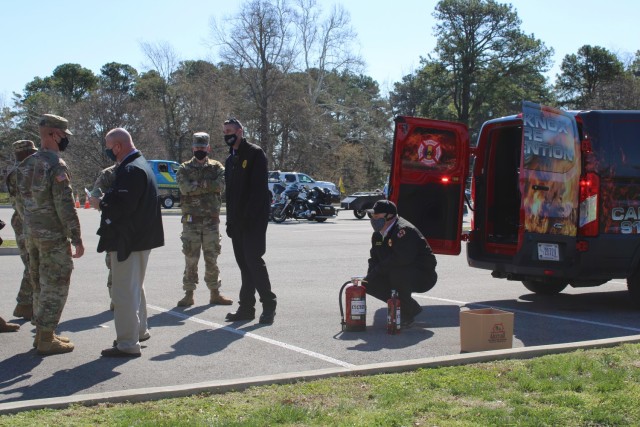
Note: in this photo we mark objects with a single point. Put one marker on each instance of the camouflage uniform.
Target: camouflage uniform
(25, 294)
(103, 183)
(50, 220)
(200, 187)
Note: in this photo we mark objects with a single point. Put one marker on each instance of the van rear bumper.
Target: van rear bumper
(608, 257)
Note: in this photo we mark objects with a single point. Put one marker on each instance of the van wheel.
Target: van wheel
(167, 202)
(633, 286)
(544, 288)
(359, 213)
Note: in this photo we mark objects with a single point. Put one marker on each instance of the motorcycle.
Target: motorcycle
(301, 203)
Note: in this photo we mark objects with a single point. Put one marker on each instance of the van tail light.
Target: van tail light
(588, 209)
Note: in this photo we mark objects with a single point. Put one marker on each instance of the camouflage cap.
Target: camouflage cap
(53, 121)
(200, 139)
(24, 145)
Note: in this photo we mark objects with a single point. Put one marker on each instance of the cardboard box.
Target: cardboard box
(485, 329)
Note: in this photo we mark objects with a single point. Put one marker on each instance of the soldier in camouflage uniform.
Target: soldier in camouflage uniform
(201, 180)
(22, 149)
(103, 183)
(50, 221)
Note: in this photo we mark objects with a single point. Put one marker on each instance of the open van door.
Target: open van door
(549, 183)
(429, 167)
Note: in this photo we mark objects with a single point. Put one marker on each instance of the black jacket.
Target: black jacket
(131, 220)
(247, 192)
(403, 246)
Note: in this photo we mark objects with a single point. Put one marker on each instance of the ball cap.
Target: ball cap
(384, 207)
(24, 145)
(200, 139)
(53, 121)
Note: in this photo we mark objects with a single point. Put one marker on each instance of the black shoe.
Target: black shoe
(266, 318)
(115, 342)
(115, 352)
(416, 308)
(406, 322)
(241, 314)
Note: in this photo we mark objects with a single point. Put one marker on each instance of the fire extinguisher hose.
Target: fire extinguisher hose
(342, 322)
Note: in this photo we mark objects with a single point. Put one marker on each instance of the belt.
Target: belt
(188, 218)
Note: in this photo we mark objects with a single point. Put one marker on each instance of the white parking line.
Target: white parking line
(550, 316)
(254, 336)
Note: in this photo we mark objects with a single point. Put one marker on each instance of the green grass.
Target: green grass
(6, 243)
(583, 388)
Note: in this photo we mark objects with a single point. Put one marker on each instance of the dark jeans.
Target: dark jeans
(249, 245)
(404, 280)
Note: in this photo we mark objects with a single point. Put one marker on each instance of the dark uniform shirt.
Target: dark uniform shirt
(402, 246)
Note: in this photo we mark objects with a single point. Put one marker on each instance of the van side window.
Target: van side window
(290, 178)
(162, 167)
(305, 179)
(174, 167)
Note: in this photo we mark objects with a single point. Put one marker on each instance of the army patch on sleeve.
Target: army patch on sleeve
(62, 177)
(244, 164)
(401, 233)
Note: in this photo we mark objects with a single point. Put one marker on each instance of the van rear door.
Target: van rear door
(429, 167)
(549, 182)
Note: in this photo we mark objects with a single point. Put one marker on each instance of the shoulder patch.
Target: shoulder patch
(401, 233)
(244, 164)
(61, 177)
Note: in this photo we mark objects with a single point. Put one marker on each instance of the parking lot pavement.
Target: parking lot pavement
(308, 262)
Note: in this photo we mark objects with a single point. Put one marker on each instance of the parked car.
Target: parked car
(286, 178)
(165, 172)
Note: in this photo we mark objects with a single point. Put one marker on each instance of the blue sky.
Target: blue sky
(37, 36)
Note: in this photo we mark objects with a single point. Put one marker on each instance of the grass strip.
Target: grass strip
(599, 387)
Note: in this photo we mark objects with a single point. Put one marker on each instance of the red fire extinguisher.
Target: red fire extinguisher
(355, 298)
(393, 314)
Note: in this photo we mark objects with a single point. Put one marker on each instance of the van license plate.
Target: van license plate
(548, 252)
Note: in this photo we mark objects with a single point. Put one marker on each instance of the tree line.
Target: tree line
(288, 71)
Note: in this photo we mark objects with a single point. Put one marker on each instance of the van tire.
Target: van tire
(544, 288)
(167, 202)
(359, 213)
(633, 286)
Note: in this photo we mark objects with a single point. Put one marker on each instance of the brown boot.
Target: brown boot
(187, 300)
(8, 327)
(48, 344)
(60, 338)
(24, 311)
(217, 298)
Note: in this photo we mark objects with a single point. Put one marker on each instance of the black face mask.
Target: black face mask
(199, 154)
(230, 140)
(62, 145)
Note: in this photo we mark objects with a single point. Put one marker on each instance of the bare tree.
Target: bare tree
(258, 42)
(159, 87)
(326, 44)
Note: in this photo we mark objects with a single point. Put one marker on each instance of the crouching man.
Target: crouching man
(400, 259)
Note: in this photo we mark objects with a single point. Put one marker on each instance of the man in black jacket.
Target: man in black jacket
(130, 226)
(400, 259)
(248, 203)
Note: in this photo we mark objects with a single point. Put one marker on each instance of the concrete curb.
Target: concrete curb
(9, 251)
(218, 387)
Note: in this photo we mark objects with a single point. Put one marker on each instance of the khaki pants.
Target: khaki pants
(130, 313)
